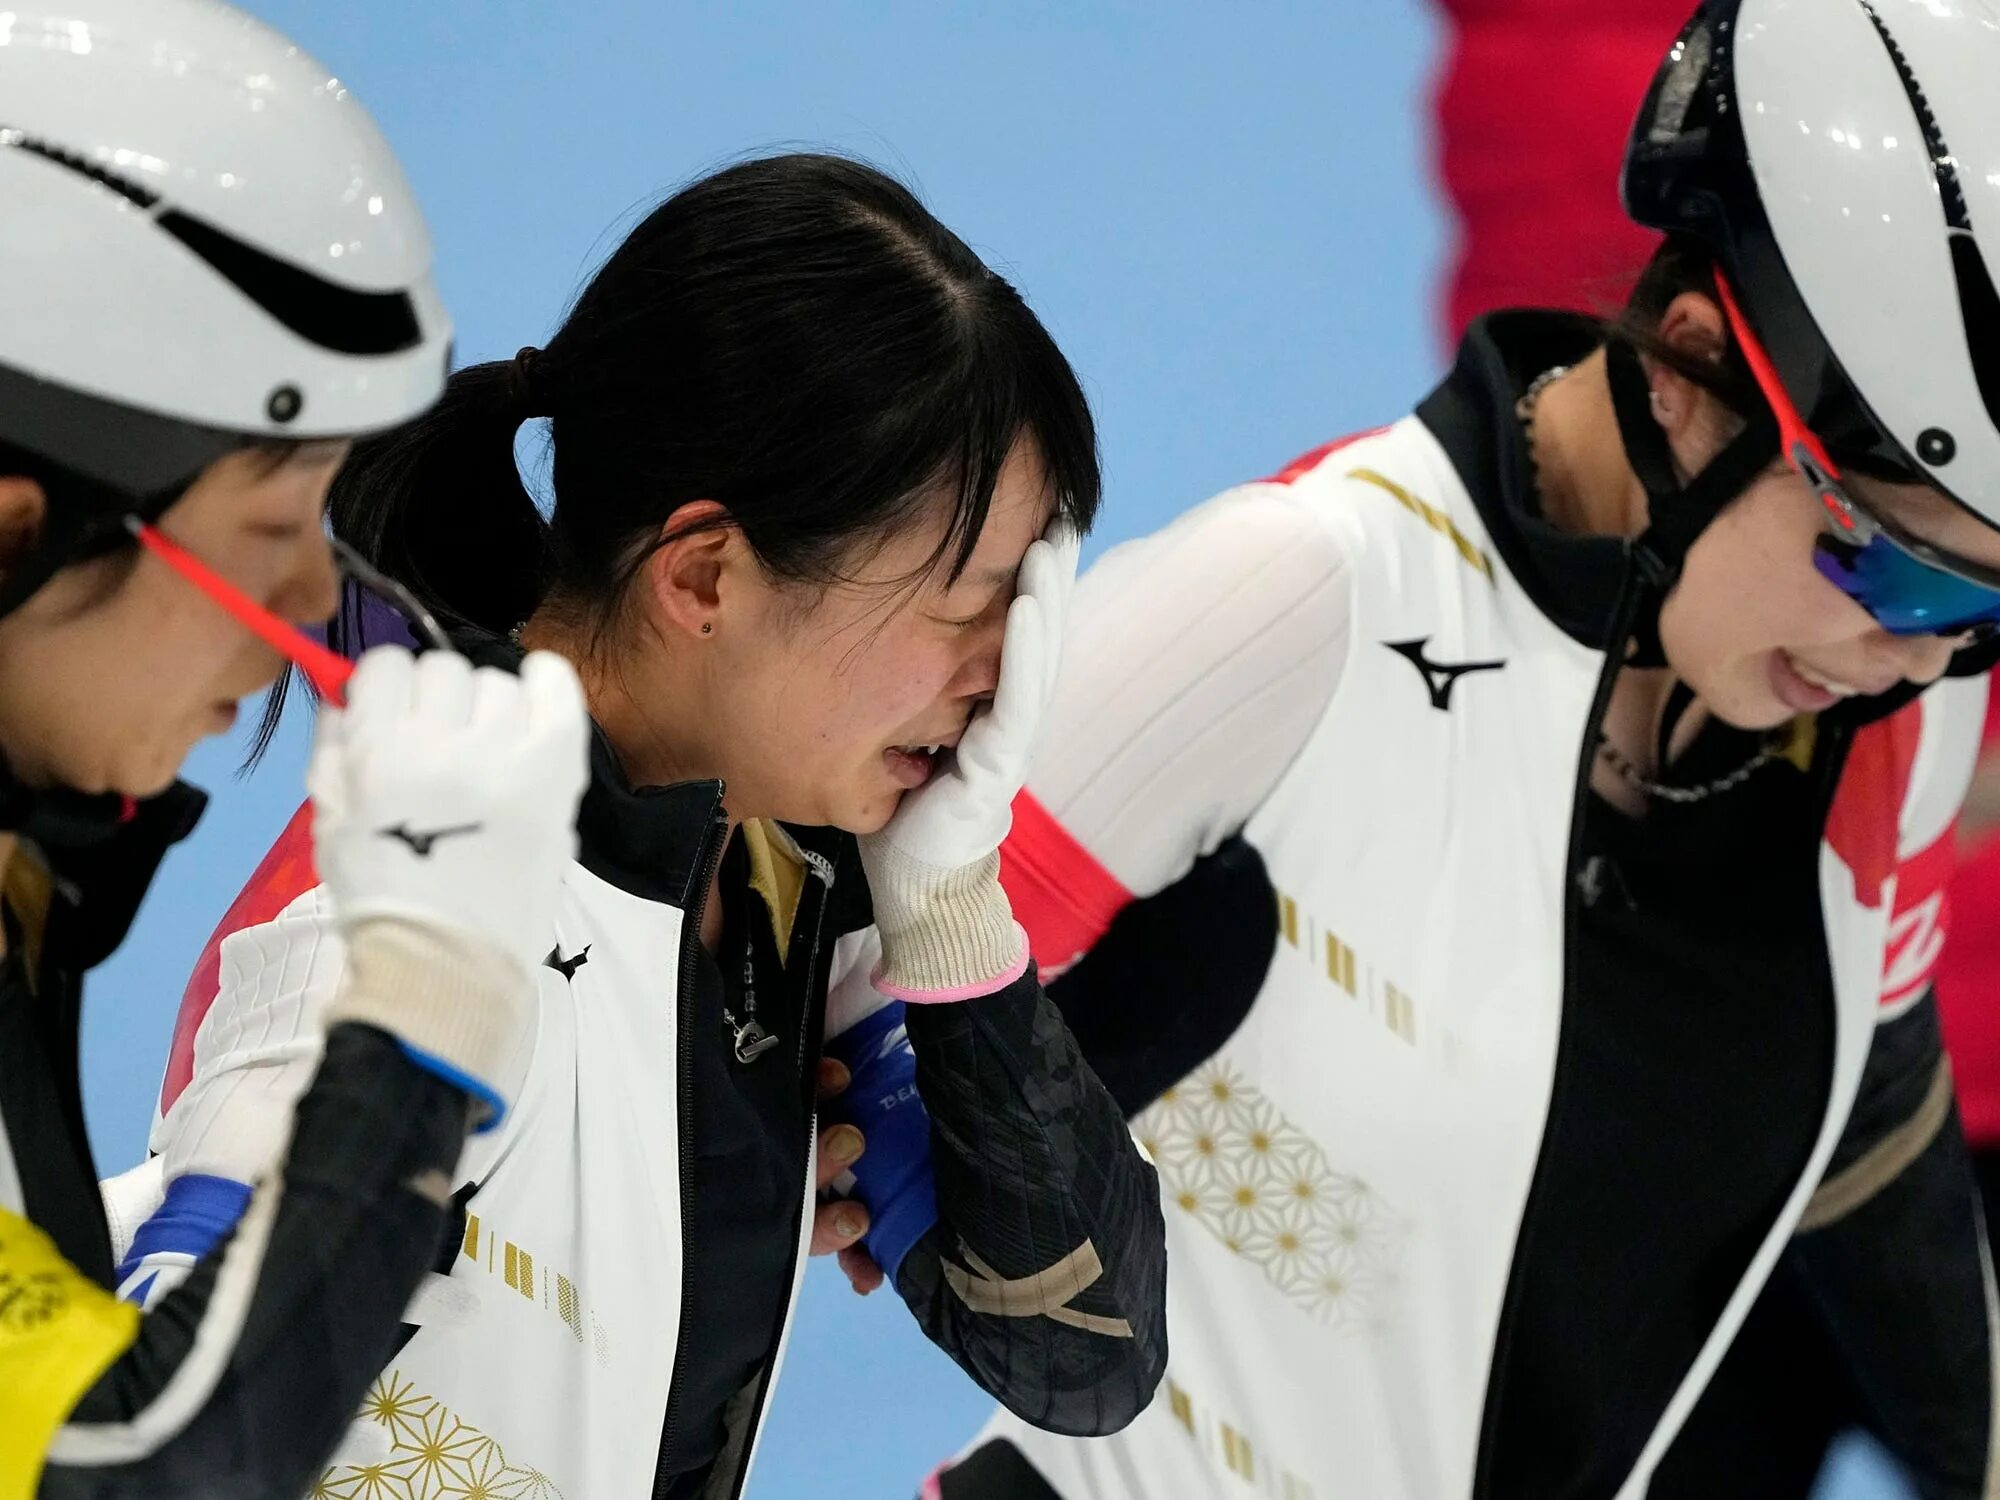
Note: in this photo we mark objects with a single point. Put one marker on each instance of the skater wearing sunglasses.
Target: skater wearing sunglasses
(1592, 733)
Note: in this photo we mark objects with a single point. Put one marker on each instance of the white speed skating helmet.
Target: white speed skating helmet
(204, 241)
(1841, 158)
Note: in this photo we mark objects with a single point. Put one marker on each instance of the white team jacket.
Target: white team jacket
(542, 1364)
(1345, 1178)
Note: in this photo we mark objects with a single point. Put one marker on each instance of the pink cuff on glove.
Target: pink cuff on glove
(972, 991)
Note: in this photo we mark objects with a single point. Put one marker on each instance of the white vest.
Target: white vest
(573, 1245)
(542, 1364)
(1345, 1179)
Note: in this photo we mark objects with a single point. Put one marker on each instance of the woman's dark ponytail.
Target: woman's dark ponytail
(439, 504)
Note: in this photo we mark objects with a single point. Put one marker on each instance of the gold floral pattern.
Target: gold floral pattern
(1251, 1178)
(434, 1455)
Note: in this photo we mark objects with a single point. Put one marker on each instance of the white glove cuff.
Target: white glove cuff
(946, 934)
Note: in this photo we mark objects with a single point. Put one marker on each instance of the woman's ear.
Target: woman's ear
(686, 573)
(1685, 410)
(22, 508)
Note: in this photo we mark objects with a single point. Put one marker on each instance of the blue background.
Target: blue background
(1226, 222)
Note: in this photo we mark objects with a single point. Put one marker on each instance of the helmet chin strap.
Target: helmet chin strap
(1676, 513)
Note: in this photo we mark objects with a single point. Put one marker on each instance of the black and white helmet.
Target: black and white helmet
(204, 241)
(1842, 160)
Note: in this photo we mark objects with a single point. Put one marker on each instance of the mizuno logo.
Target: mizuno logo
(1439, 677)
(567, 967)
(421, 841)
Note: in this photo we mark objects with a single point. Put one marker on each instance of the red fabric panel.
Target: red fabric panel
(1532, 101)
(1060, 893)
(285, 874)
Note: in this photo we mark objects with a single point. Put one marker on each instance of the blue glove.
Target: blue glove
(893, 1178)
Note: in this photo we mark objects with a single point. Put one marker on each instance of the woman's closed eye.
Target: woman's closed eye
(999, 601)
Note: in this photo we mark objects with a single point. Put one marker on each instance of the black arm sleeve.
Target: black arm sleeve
(243, 1379)
(1173, 976)
(1045, 1274)
(1892, 1254)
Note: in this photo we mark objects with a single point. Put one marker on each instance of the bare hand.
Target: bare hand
(839, 1225)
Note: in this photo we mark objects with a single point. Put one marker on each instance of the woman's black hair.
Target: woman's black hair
(795, 337)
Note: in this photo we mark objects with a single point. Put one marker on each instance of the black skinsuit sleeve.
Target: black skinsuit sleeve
(243, 1379)
(1044, 1276)
(1173, 976)
(1892, 1254)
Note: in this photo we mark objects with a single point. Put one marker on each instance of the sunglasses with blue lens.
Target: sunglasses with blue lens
(1907, 585)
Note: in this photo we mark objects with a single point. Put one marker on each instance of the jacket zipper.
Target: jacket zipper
(811, 1034)
(1626, 610)
(1630, 594)
(718, 830)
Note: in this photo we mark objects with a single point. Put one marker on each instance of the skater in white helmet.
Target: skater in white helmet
(212, 278)
(1587, 732)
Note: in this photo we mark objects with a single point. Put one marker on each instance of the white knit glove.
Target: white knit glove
(444, 814)
(934, 870)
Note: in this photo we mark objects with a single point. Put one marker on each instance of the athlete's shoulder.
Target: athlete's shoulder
(1263, 545)
(1403, 452)
(1321, 501)
(1330, 461)
(257, 926)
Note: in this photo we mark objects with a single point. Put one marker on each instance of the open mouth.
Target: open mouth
(913, 765)
(1821, 680)
(1810, 690)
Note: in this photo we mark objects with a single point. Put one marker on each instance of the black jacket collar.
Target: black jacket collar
(650, 841)
(103, 867)
(1574, 580)
(654, 842)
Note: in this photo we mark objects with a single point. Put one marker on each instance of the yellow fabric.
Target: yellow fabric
(778, 876)
(28, 889)
(59, 1331)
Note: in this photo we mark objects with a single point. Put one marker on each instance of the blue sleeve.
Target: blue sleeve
(893, 1178)
(197, 1212)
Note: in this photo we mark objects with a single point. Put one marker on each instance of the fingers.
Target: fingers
(860, 1269)
(553, 690)
(442, 693)
(837, 1225)
(1048, 577)
(1018, 700)
(1067, 542)
(1039, 575)
(833, 1078)
(390, 684)
(494, 696)
(381, 690)
(839, 1149)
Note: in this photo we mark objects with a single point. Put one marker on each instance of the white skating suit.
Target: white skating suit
(1516, 1122)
